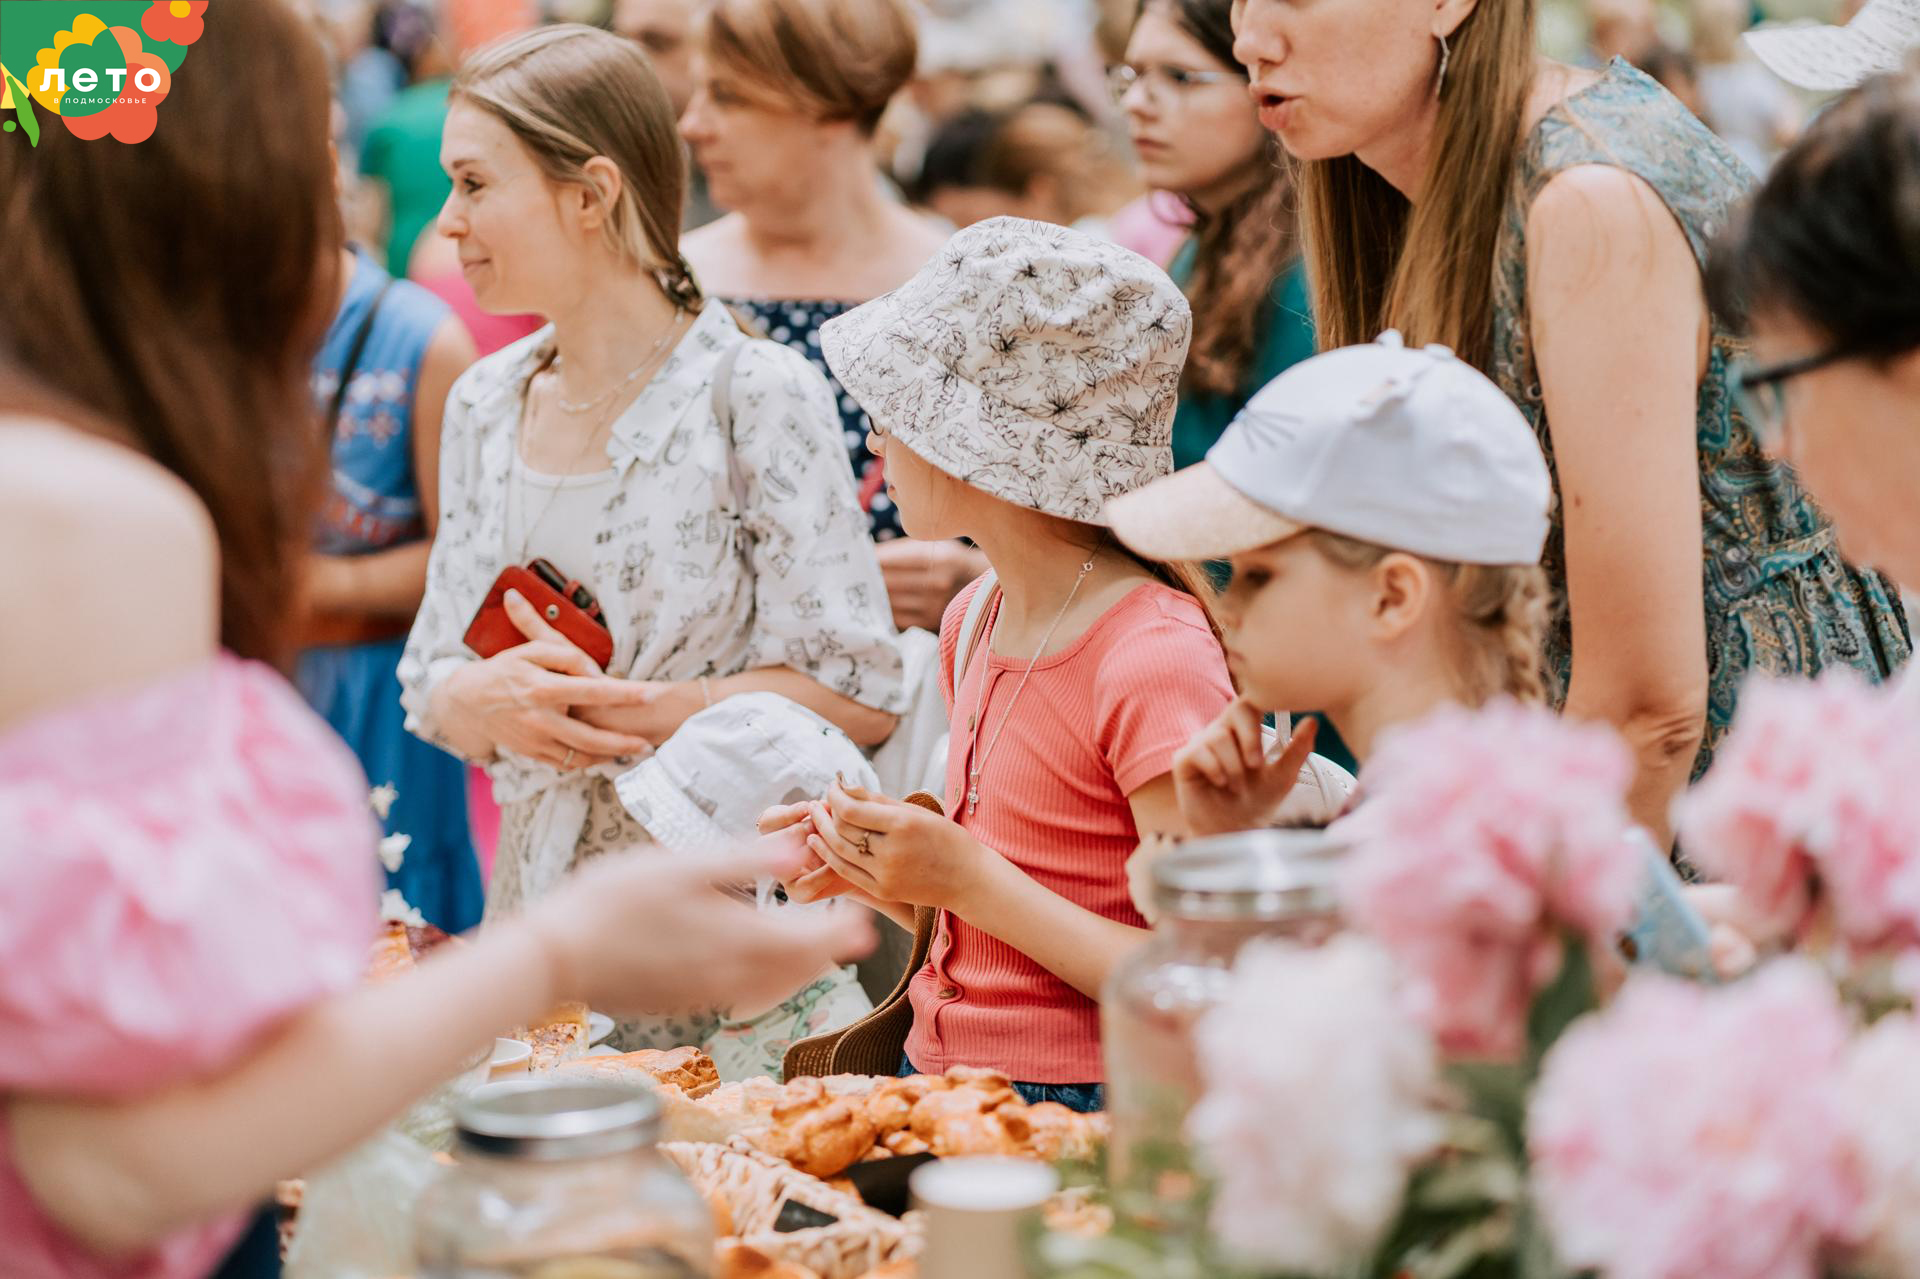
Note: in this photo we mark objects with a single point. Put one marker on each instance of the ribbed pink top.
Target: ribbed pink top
(1098, 720)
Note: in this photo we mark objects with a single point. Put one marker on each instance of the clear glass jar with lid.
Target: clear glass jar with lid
(561, 1180)
(1212, 897)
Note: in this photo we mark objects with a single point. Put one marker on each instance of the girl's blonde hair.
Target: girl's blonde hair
(1501, 610)
(826, 60)
(570, 93)
(1377, 262)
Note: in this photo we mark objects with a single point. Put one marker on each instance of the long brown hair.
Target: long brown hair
(1241, 251)
(570, 93)
(178, 287)
(1377, 262)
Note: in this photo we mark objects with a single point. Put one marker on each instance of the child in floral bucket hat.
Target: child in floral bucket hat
(1024, 377)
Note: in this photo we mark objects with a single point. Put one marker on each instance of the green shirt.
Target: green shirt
(1285, 338)
(403, 151)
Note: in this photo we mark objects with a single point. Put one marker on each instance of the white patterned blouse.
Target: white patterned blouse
(690, 585)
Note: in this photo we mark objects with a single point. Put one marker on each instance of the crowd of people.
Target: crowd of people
(1110, 418)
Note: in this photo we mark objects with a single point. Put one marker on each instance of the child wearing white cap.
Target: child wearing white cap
(1023, 378)
(1384, 511)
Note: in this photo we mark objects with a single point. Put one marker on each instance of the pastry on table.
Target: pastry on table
(686, 1068)
(390, 956)
(820, 1135)
(559, 1037)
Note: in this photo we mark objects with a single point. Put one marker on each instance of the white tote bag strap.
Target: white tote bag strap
(970, 628)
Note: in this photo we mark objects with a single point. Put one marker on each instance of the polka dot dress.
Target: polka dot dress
(797, 324)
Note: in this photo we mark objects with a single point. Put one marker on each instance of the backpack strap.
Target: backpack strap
(355, 349)
(723, 414)
(977, 609)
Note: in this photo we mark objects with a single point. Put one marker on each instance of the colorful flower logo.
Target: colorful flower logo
(98, 73)
(175, 21)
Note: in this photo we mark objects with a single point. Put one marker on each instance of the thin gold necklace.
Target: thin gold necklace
(980, 694)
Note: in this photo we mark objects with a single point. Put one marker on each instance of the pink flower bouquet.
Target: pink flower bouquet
(1814, 799)
(1485, 836)
(1692, 1133)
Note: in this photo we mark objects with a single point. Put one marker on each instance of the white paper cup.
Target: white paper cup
(976, 1209)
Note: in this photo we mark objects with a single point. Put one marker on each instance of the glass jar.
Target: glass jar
(1213, 896)
(561, 1180)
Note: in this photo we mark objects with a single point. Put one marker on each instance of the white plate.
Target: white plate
(510, 1054)
(599, 1026)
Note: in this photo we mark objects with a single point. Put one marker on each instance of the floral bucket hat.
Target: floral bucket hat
(1034, 362)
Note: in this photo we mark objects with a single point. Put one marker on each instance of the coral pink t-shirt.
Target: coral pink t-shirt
(1097, 721)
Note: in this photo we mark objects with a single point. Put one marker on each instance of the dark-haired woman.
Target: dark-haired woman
(1547, 223)
(186, 859)
(1197, 136)
(1826, 267)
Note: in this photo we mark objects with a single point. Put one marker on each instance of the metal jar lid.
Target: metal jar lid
(545, 1119)
(1250, 875)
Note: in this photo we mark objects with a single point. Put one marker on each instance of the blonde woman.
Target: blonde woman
(786, 97)
(689, 480)
(1547, 223)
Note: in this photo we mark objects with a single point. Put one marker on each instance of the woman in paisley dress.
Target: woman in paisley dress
(782, 122)
(691, 479)
(1548, 223)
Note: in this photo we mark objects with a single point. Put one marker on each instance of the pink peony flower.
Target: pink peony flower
(1815, 784)
(1881, 1091)
(1697, 1133)
(1315, 1106)
(1484, 832)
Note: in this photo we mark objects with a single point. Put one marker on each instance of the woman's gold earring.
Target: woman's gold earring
(1440, 83)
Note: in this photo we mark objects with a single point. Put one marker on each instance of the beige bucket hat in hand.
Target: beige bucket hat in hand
(1031, 361)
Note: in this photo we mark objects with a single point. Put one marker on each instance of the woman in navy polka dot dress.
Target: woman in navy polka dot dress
(784, 133)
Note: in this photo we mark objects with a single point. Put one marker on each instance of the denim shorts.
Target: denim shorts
(1081, 1097)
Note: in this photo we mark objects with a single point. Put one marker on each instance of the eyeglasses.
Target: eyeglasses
(1761, 391)
(1162, 84)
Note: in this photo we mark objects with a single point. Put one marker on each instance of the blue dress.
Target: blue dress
(373, 505)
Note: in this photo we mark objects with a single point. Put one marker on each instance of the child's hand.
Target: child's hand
(1224, 779)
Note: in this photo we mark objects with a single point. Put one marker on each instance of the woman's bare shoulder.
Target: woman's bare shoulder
(112, 567)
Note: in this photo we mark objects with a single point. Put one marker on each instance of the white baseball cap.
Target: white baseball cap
(1409, 449)
(703, 791)
(1815, 55)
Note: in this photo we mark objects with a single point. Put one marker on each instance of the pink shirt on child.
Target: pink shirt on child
(1097, 721)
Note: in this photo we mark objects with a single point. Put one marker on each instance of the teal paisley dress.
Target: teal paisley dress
(1779, 598)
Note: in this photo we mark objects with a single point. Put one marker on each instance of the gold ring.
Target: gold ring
(568, 761)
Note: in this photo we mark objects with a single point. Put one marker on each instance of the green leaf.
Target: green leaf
(23, 107)
(1495, 1091)
(1570, 996)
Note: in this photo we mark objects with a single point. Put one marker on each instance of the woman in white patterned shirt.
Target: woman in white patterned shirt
(718, 528)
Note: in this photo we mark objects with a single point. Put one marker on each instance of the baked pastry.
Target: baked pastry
(390, 956)
(822, 1136)
(561, 1036)
(686, 1068)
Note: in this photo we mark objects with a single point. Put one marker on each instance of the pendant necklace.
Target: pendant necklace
(980, 695)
